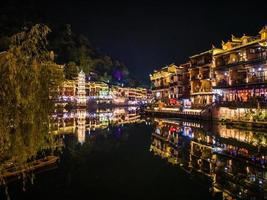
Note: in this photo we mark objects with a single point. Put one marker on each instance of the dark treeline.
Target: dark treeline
(71, 49)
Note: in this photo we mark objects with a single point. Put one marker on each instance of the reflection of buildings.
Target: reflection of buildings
(81, 121)
(229, 159)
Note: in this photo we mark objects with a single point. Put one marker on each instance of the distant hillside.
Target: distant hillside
(71, 49)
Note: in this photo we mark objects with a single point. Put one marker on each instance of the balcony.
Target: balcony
(238, 83)
(242, 62)
(160, 87)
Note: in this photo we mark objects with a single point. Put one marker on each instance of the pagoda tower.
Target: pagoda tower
(81, 93)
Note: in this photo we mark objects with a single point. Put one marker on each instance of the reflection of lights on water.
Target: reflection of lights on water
(132, 108)
(118, 132)
(247, 169)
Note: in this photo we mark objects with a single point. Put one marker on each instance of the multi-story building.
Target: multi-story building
(100, 92)
(201, 76)
(135, 94)
(170, 82)
(241, 70)
(93, 90)
(233, 76)
(127, 95)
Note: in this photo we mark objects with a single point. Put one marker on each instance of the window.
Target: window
(251, 51)
(180, 90)
(179, 77)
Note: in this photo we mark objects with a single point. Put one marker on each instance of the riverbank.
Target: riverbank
(204, 115)
(194, 114)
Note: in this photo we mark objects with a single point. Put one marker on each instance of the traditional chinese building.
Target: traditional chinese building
(133, 95)
(201, 76)
(100, 92)
(240, 69)
(170, 82)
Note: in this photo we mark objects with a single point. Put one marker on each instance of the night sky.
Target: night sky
(147, 35)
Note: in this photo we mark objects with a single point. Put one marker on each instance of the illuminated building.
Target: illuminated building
(235, 73)
(170, 82)
(130, 96)
(100, 92)
(220, 79)
(68, 89)
(240, 70)
(201, 76)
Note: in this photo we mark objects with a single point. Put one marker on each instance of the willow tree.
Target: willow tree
(29, 83)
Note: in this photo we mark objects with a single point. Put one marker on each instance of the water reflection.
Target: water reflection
(232, 160)
(39, 147)
(82, 122)
(28, 147)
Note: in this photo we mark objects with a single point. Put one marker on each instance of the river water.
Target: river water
(117, 154)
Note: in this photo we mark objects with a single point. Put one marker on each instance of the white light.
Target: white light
(259, 69)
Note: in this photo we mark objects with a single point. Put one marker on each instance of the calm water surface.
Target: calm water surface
(117, 154)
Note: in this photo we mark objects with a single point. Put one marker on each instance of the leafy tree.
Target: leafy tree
(105, 77)
(70, 47)
(71, 71)
(29, 83)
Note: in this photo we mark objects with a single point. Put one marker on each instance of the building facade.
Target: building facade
(241, 70)
(79, 90)
(201, 77)
(170, 82)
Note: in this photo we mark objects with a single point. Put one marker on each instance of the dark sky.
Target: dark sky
(147, 35)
